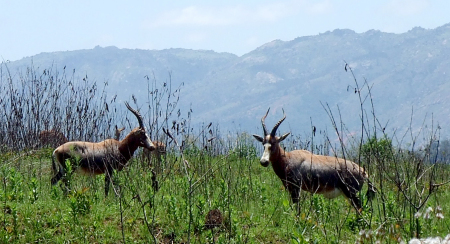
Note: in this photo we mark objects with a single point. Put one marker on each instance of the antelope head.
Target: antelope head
(142, 138)
(270, 141)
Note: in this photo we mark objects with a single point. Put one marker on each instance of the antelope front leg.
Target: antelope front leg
(352, 197)
(108, 175)
(295, 194)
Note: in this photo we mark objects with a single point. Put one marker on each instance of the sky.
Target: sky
(30, 27)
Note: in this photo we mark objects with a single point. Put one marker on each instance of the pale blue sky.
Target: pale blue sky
(29, 27)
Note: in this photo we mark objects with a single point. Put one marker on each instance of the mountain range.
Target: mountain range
(308, 78)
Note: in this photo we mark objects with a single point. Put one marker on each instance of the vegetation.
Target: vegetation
(206, 172)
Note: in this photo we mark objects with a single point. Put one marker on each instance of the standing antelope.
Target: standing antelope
(51, 138)
(101, 157)
(303, 170)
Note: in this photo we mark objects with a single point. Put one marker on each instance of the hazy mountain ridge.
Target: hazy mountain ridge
(408, 72)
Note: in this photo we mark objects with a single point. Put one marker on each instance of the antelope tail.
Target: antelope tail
(56, 171)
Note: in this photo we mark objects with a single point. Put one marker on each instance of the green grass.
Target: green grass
(254, 205)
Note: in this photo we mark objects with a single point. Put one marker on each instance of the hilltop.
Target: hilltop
(407, 73)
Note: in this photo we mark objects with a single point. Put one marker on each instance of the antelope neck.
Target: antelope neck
(127, 146)
(278, 158)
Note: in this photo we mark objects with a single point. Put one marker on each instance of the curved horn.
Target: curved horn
(263, 124)
(137, 114)
(275, 128)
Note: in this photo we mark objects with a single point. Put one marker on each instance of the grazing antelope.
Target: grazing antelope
(160, 150)
(303, 170)
(101, 157)
(51, 138)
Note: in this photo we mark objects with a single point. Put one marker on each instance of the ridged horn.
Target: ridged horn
(137, 114)
(275, 128)
(263, 123)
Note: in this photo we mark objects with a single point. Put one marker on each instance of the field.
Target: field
(253, 204)
(211, 187)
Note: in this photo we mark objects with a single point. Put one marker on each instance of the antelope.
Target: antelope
(52, 138)
(102, 157)
(118, 132)
(160, 150)
(302, 170)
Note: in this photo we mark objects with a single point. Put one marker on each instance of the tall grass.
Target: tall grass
(35, 100)
(205, 169)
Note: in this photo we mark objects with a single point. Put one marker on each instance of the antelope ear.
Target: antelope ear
(260, 139)
(283, 137)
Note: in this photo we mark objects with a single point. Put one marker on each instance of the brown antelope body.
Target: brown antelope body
(51, 138)
(302, 170)
(101, 157)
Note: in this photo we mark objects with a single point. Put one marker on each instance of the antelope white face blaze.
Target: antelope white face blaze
(265, 159)
(148, 144)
